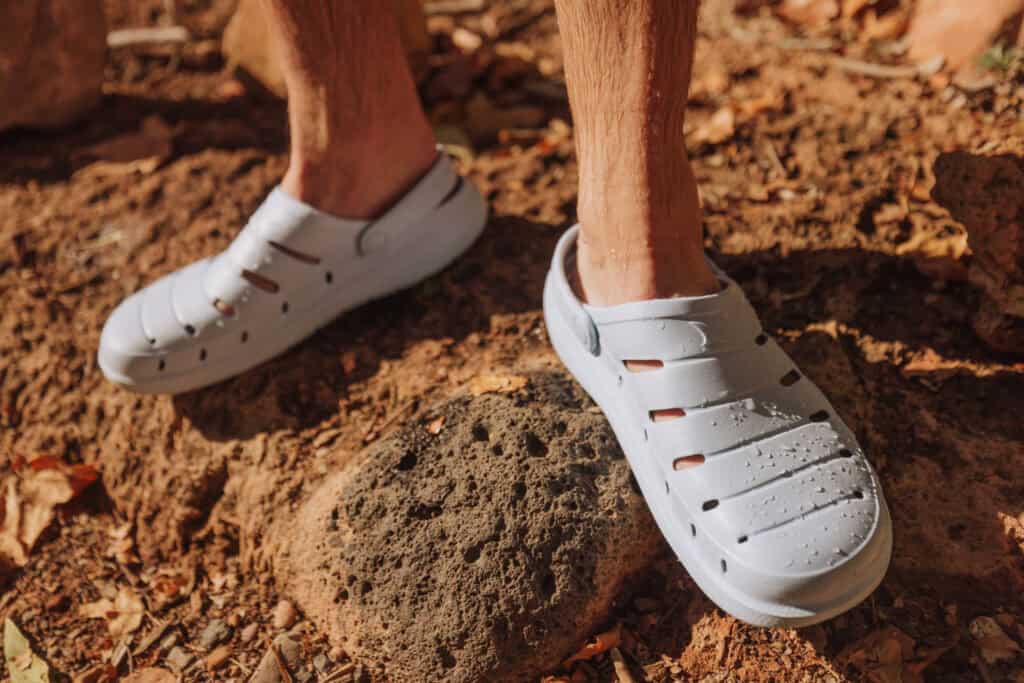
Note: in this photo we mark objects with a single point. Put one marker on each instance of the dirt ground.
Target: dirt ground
(817, 182)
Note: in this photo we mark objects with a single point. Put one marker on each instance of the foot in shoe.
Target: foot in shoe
(290, 271)
(755, 481)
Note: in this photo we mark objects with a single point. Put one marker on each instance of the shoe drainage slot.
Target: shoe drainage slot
(709, 504)
(257, 280)
(191, 330)
(162, 365)
(688, 461)
(693, 531)
(329, 277)
(284, 308)
(858, 494)
(666, 414)
(224, 307)
(743, 539)
(761, 339)
(297, 255)
(819, 416)
(845, 453)
(790, 378)
(245, 337)
(724, 566)
(202, 355)
(643, 365)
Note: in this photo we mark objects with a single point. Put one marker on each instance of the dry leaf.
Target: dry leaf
(496, 384)
(992, 641)
(143, 150)
(23, 665)
(150, 675)
(31, 497)
(602, 643)
(123, 613)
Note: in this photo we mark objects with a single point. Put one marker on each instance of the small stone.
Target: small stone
(218, 657)
(268, 670)
(321, 662)
(288, 648)
(337, 653)
(217, 631)
(249, 632)
(284, 615)
(179, 659)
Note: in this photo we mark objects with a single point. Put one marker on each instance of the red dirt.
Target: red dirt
(818, 202)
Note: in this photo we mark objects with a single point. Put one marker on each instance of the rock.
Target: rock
(249, 632)
(268, 670)
(179, 659)
(985, 192)
(284, 615)
(247, 46)
(52, 55)
(218, 657)
(489, 551)
(217, 631)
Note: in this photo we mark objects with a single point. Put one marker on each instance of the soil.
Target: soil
(818, 187)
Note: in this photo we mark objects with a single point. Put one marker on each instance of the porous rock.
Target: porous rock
(985, 192)
(488, 551)
(52, 55)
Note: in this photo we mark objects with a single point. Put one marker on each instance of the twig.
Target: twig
(621, 668)
(339, 673)
(143, 36)
(282, 667)
(886, 71)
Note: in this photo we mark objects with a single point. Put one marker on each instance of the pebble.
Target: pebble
(249, 632)
(179, 659)
(284, 615)
(217, 631)
(321, 663)
(218, 657)
(268, 670)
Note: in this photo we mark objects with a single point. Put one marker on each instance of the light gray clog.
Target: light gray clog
(290, 271)
(759, 487)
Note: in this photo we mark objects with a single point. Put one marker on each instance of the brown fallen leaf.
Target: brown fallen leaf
(496, 384)
(123, 613)
(150, 674)
(143, 150)
(31, 496)
(602, 643)
(992, 642)
(100, 673)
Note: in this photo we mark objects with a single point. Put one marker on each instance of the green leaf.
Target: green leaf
(23, 665)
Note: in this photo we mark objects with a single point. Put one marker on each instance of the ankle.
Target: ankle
(359, 180)
(640, 271)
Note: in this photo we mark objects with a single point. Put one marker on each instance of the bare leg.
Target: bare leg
(628, 65)
(359, 137)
